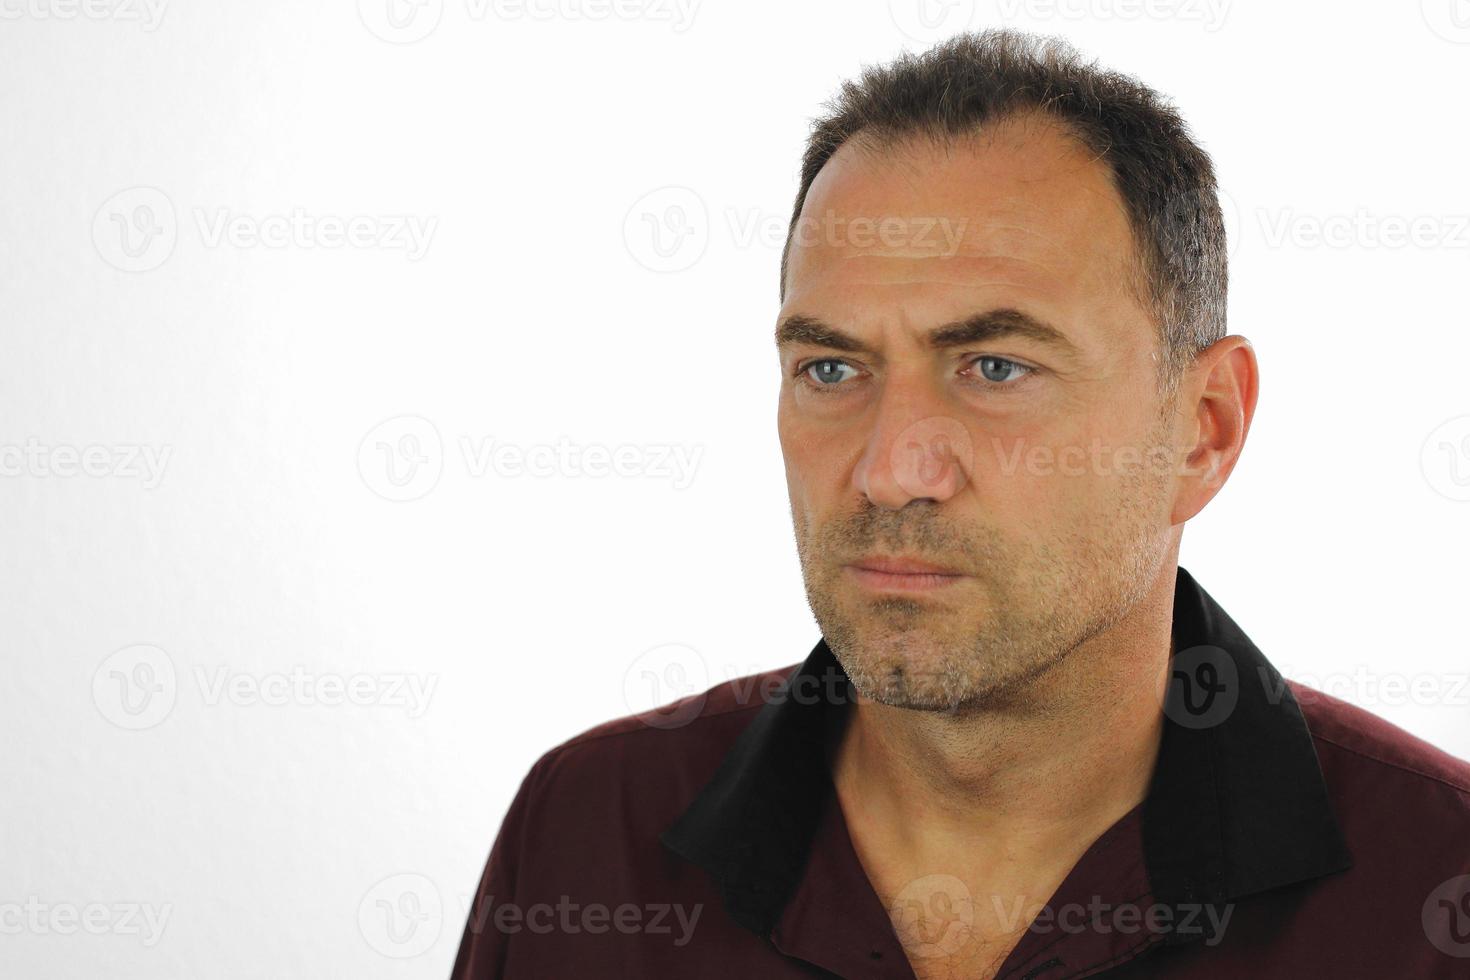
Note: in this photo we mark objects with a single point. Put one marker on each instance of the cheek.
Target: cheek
(817, 457)
(807, 483)
(1057, 485)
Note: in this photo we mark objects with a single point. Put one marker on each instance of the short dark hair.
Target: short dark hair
(1166, 181)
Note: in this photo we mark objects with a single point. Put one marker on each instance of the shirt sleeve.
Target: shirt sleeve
(484, 949)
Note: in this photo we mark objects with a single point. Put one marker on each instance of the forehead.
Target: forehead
(1021, 215)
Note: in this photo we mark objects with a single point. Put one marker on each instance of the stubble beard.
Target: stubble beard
(1030, 601)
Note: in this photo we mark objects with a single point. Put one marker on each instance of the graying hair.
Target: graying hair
(1166, 181)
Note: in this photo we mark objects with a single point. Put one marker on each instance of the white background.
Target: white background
(278, 833)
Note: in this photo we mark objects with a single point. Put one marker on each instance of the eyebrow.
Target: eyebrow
(798, 328)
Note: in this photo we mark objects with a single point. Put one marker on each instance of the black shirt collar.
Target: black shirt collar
(1237, 804)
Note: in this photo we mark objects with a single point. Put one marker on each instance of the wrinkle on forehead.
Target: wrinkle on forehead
(1036, 224)
(1014, 176)
(1038, 212)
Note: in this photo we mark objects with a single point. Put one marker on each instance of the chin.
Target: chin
(910, 671)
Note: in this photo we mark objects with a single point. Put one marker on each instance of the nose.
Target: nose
(916, 450)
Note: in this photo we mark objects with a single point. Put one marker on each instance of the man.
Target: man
(1028, 744)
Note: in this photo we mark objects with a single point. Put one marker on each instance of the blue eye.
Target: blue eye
(828, 371)
(998, 370)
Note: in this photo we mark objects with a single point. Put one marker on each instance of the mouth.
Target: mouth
(894, 574)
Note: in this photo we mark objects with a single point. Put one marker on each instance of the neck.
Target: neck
(1032, 781)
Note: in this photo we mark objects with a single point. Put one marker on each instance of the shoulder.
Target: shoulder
(1401, 802)
(667, 754)
(1355, 739)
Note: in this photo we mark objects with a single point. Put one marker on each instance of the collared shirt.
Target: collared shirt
(1284, 834)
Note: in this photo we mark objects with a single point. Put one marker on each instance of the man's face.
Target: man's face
(1011, 451)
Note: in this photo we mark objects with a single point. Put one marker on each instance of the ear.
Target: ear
(1217, 400)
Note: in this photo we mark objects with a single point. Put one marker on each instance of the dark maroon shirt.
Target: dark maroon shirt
(1285, 834)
